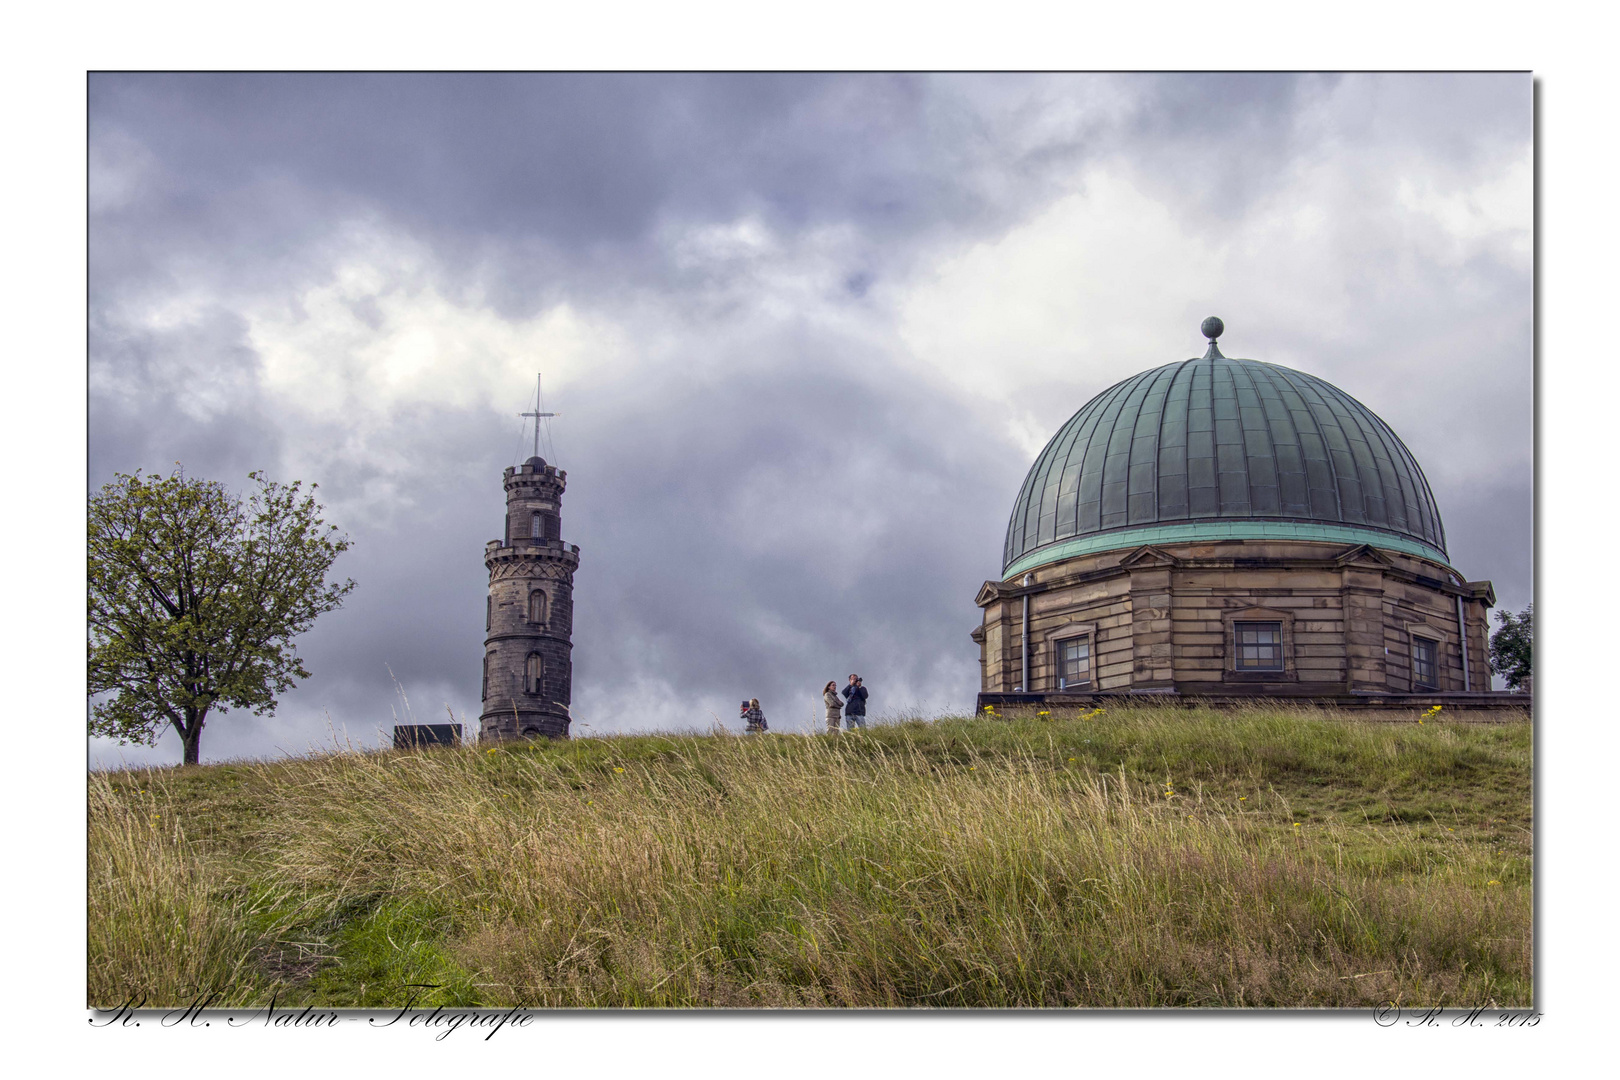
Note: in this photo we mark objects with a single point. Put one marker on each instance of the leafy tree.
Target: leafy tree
(195, 596)
(1510, 647)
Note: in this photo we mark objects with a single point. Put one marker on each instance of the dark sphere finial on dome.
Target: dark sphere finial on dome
(1212, 327)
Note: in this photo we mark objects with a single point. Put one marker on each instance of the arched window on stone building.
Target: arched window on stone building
(537, 607)
(533, 672)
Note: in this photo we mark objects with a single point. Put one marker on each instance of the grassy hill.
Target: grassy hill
(1141, 857)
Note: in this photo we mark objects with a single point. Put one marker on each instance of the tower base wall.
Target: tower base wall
(506, 726)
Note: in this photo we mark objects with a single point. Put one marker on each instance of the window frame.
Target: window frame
(1230, 672)
(1059, 681)
(1434, 663)
(1446, 659)
(1044, 653)
(1259, 626)
(530, 612)
(534, 674)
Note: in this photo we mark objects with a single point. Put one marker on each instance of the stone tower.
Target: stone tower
(529, 618)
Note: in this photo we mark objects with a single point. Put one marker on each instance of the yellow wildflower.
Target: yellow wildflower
(617, 769)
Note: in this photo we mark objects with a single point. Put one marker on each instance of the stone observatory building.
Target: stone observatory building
(1224, 528)
(529, 613)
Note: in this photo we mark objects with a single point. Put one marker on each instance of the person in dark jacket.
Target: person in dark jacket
(855, 704)
(755, 718)
(835, 706)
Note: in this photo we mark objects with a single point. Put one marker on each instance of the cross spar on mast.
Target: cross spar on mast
(537, 414)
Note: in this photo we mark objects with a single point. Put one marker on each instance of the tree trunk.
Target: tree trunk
(191, 736)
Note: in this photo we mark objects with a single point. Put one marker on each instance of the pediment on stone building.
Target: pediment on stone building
(988, 592)
(1149, 555)
(1364, 554)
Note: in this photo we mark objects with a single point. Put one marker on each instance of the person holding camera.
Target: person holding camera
(752, 714)
(855, 704)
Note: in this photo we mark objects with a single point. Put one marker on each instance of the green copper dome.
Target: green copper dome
(1221, 449)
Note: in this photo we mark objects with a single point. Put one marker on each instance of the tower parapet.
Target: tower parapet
(529, 614)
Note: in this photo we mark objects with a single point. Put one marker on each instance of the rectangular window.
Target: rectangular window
(1423, 673)
(1259, 646)
(1074, 663)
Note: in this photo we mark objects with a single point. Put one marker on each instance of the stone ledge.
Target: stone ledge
(1506, 704)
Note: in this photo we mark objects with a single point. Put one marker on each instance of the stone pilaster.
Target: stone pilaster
(1152, 652)
(1363, 604)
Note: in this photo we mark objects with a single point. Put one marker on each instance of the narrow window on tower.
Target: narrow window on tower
(537, 527)
(484, 694)
(1423, 665)
(532, 674)
(537, 607)
(1259, 646)
(489, 612)
(1074, 663)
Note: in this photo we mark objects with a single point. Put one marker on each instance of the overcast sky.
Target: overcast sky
(805, 334)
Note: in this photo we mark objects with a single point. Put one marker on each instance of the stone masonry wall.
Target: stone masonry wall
(1161, 619)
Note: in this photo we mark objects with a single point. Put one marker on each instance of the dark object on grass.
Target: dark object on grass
(414, 736)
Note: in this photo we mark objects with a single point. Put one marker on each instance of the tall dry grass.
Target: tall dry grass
(912, 869)
(162, 921)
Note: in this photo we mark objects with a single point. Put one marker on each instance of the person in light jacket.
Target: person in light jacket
(835, 705)
(855, 704)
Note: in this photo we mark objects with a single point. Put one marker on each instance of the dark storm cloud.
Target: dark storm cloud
(1218, 143)
(582, 167)
(764, 501)
(558, 176)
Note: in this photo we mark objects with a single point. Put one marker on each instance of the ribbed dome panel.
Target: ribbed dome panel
(1221, 440)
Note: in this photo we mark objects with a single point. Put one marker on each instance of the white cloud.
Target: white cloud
(1395, 299)
(381, 335)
